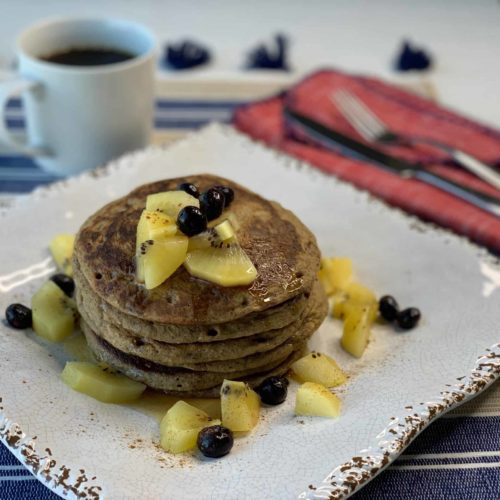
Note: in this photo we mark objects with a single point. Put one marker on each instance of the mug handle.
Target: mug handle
(8, 89)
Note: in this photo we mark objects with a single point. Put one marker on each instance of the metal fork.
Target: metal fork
(372, 129)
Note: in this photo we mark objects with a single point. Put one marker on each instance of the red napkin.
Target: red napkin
(403, 112)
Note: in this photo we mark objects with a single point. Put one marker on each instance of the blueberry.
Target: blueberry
(189, 188)
(270, 57)
(388, 307)
(228, 194)
(212, 203)
(273, 390)
(191, 220)
(412, 58)
(65, 283)
(408, 318)
(215, 441)
(18, 316)
(186, 54)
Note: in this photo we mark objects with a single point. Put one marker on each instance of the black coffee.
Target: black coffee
(88, 57)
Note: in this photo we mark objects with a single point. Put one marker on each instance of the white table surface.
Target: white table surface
(357, 35)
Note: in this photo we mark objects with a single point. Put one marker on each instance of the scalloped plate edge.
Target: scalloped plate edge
(345, 479)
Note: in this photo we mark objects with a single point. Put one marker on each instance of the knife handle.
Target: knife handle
(477, 167)
(469, 162)
(481, 200)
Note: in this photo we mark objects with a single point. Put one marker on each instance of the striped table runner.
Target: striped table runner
(458, 457)
(20, 174)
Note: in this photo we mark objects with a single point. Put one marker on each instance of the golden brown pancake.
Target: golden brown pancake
(273, 318)
(188, 335)
(282, 249)
(178, 380)
(191, 353)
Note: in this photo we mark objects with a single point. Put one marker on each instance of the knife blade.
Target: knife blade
(346, 146)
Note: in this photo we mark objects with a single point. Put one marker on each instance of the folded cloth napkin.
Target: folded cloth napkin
(402, 112)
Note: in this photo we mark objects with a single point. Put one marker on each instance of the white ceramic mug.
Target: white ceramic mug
(80, 117)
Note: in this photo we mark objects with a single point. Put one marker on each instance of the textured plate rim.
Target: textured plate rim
(344, 479)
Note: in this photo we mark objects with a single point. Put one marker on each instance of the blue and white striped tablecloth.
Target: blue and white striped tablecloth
(458, 457)
(20, 174)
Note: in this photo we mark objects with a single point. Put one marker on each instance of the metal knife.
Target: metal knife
(346, 146)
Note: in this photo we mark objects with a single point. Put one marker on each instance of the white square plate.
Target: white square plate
(80, 447)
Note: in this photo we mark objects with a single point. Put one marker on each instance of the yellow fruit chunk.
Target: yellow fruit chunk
(353, 297)
(99, 384)
(53, 313)
(228, 265)
(153, 225)
(200, 241)
(160, 258)
(350, 307)
(180, 426)
(61, 248)
(337, 301)
(142, 233)
(213, 237)
(360, 293)
(341, 272)
(319, 368)
(226, 216)
(184, 416)
(171, 202)
(225, 231)
(317, 401)
(356, 331)
(335, 274)
(359, 296)
(240, 406)
(140, 238)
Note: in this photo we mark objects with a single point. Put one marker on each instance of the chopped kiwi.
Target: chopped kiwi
(225, 264)
(158, 259)
(225, 231)
(53, 313)
(153, 225)
(171, 202)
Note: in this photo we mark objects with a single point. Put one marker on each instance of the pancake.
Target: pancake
(173, 378)
(269, 319)
(177, 381)
(187, 335)
(282, 249)
(181, 354)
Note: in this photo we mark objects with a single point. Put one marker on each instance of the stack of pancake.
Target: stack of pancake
(188, 335)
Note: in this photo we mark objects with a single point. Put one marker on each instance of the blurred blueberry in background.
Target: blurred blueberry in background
(412, 58)
(185, 55)
(265, 57)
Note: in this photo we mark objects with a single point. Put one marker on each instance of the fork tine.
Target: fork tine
(366, 114)
(352, 117)
(351, 113)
